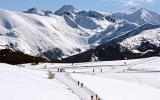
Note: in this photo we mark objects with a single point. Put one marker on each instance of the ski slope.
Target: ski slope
(83, 92)
(110, 89)
(137, 79)
(23, 84)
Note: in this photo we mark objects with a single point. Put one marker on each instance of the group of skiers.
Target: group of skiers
(97, 98)
(80, 84)
(92, 97)
(94, 70)
(61, 70)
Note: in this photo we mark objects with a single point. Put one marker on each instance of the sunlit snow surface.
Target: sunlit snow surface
(23, 84)
(35, 33)
(137, 79)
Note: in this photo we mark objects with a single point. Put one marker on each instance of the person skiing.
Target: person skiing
(123, 70)
(91, 97)
(45, 67)
(81, 85)
(101, 70)
(96, 97)
(78, 82)
(58, 69)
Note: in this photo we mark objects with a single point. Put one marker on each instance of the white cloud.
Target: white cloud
(132, 2)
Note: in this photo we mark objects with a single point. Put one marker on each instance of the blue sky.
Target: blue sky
(99, 5)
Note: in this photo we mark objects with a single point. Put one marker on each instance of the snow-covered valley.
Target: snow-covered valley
(137, 79)
(80, 54)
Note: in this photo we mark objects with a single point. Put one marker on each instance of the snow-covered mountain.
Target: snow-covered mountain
(111, 32)
(143, 41)
(126, 20)
(39, 35)
(53, 36)
(138, 16)
(91, 20)
(34, 10)
(68, 31)
(66, 9)
(148, 40)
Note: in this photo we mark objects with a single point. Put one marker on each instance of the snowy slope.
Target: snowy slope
(35, 34)
(23, 84)
(66, 32)
(138, 16)
(65, 9)
(52, 36)
(90, 20)
(111, 32)
(34, 10)
(83, 93)
(118, 90)
(136, 79)
(111, 47)
(147, 40)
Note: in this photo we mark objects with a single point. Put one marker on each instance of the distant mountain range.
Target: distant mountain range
(71, 35)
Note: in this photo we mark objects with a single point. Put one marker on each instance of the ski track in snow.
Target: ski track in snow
(83, 92)
(134, 71)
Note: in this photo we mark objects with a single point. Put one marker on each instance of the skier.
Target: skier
(78, 82)
(61, 70)
(101, 70)
(91, 97)
(93, 70)
(96, 97)
(81, 85)
(45, 67)
(123, 70)
(58, 69)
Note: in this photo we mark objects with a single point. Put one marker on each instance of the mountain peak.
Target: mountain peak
(34, 10)
(66, 8)
(132, 9)
(145, 13)
(143, 10)
(127, 10)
